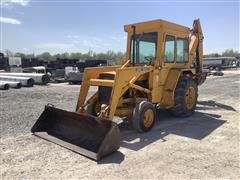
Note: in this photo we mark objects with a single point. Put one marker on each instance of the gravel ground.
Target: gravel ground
(203, 146)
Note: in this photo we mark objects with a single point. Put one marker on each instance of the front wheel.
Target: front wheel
(93, 108)
(144, 116)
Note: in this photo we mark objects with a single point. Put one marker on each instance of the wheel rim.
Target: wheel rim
(148, 118)
(190, 97)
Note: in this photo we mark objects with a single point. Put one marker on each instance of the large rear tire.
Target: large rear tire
(185, 97)
(144, 116)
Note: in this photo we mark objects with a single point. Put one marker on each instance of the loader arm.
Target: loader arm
(90, 73)
(125, 79)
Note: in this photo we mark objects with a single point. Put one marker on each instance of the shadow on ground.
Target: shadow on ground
(197, 127)
(213, 105)
(116, 157)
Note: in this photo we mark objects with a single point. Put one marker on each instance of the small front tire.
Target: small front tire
(144, 116)
(93, 108)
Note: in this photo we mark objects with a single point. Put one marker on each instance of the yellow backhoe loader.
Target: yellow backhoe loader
(162, 69)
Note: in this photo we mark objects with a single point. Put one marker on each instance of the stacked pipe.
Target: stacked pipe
(38, 78)
(25, 81)
(4, 86)
(12, 84)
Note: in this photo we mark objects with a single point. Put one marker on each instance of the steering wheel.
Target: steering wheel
(148, 58)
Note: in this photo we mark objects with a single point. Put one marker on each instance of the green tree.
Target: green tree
(101, 56)
(119, 56)
(76, 56)
(65, 55)
(45, 56)
(230, 53)
(9, 53)
(211, 55)
(55, 56)
(18, 54)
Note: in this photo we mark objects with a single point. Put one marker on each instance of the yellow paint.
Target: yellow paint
(190, 97)
(148, 118)
(101, 82)
(154, 81)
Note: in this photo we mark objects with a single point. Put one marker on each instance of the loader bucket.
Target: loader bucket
(82, 133)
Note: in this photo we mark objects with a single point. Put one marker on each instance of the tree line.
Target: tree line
(226, 53)
(109, 55)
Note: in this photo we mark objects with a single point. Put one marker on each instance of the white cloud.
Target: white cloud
(114, 37)
(95, 43)
(90, 44)
(9, 20)
(61, 46)
(9, 3)
(72, 36)
(76, 36)
(26, 49)
(87, 42)
(118, 38)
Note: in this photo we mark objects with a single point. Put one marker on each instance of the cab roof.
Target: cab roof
(156, 24)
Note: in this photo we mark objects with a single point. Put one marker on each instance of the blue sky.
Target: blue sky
(76, 26)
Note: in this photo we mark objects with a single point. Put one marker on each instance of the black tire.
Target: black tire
(218, 68)
(138, 116)
(181, 108)
(76, 82)
(91, 109)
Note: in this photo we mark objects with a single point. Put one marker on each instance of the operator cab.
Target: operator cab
(158, 43)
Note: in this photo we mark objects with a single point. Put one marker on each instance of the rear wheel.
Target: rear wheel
(185, 97)
(144, 116)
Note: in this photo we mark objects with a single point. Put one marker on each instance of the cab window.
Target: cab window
(181, 50)
(145, 47)
(169, 49)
